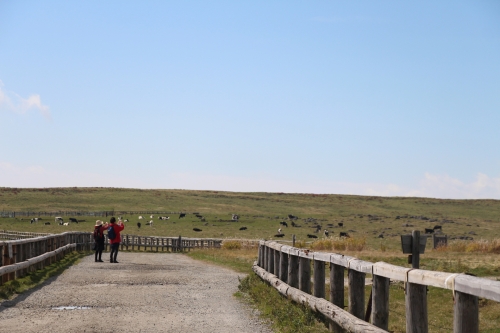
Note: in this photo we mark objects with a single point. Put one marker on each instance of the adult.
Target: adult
(115, 242)
(99, 229)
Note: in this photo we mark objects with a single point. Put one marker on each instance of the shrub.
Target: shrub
(231, 245)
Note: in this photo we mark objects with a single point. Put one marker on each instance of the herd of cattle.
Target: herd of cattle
(289, 220)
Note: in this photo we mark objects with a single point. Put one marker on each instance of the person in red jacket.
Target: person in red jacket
(115, 242)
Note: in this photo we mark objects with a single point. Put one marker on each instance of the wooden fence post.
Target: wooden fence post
(305, 275)
(336, 291)
(356, 293)
(416, 295)
(380, 302)
(270, 260)
(283, 274)
(466, 313)
(276, 263)
(293, 269)
(319, 279)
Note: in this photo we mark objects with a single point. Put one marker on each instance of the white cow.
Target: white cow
(140, 217)
(59, 220)
(66, 223)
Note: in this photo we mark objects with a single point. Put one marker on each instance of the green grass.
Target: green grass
(37, 277)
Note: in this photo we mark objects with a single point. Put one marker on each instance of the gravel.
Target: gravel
(144, 292)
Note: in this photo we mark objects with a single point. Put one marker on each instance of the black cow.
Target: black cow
(72, 219)
(279, 235)
(312, 236)
(139, 225)
(341, 224)
(243, 228)
(344, 234)
(181, 215)
(284, 223)
(47, 223)
(438, 227)
(292, 217)
(429, 231)
(197, 230)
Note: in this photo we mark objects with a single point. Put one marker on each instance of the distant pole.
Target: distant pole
(293, 240)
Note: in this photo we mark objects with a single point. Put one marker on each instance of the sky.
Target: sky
(384, 98)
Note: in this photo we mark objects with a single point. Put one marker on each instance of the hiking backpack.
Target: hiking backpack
(111, 232)
(97, 234)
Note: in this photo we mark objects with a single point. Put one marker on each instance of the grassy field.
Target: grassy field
(362, 216)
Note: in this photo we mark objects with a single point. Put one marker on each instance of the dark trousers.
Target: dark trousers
(114, 251)
(99, 247)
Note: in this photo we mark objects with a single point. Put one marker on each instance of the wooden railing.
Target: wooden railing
(175, 244)
(20, 256)
(288, 269)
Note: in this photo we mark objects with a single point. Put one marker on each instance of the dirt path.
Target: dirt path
(145, 292)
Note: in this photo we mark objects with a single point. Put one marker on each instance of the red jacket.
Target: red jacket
(117, 228)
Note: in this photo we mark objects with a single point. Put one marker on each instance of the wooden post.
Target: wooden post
(336, 291)
(277, 262)
(305, 275)
(293, 240)
(293, 271)
(283, 274)
(416, 295)
(380, 302)
(259, 258)
(319, 279)
(270, 260)
(466, 313)
(356, 293)
(264, 258)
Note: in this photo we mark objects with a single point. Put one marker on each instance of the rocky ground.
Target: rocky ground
(144, 292)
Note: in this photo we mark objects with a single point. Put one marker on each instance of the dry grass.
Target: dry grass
(479, 246)
(339, 244)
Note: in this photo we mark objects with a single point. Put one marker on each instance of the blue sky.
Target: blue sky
(384, 98)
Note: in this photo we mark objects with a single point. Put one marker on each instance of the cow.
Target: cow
(340, 224)
(283, 223)
(279, 231)
(344, 234)
(438, 227)
(151, 216)
(292, 217)
(312, 236)
(197, 230)
(326, 233)
(429, 231)
(150, 223)
(163, 217)
(66, 223)
(47, 223)
(58, 219)
(243, 228)
(34, 220)
(72, 219)
(181, 215)
(139, 225)
(198, 215)
(235, 217)
(279, 235)
(141, 217)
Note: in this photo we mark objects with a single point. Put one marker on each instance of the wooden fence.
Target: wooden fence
(24, 255)
(288, 269)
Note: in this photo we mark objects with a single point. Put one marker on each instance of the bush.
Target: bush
(231, 245)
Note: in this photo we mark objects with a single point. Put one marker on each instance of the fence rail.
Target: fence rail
(103, 213)
(288, 269)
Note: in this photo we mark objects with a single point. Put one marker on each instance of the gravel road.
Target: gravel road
(145, 292)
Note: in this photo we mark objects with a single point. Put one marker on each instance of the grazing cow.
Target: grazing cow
(198, 215)
(438, 227)
(243, 228)
(279, 231)
(283, 223)
(126, 220)
(150, 223)
(151, 216)
(235, 217)
(163, 217)
(66, 223)
(58, 219)
(181, 215)
(139, 225)
(344, 234)
(326, 233)
(72, 219)
(197, 230)
(279, 235)
(140, 217)
(318, 228)
(47, 223)
(429, 231)
(341, 224)
(292, 217)
(34, 220)
(312, 236)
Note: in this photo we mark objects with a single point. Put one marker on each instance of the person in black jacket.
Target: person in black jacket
(99, 239)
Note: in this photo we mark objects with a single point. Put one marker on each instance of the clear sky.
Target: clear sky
(392, 98)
